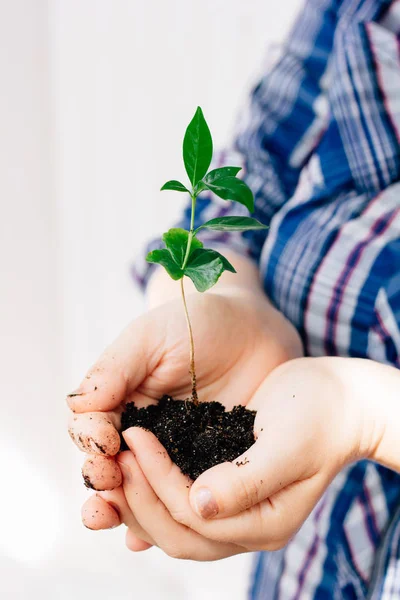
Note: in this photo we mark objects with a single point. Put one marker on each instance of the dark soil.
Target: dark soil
(196, 436)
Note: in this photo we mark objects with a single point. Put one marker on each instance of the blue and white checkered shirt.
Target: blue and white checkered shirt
(320, 147)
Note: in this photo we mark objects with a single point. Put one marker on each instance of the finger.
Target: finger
(266, 525)
(280, 517)
(173, 489)
(134, 543)
(270, 524)
(232, 487)
(173, 538)
(98, 514)
(122, 367)
(164, 476)
(166, 480)
(95, 433)
(101, 473)
(116, 499)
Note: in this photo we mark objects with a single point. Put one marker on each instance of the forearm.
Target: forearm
(374, 389)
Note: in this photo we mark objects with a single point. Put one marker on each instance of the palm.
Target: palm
(234, 349)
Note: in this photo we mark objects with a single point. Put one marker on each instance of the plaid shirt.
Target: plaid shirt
(320, 147)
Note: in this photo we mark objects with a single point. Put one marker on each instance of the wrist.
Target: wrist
(371, 393)
(382, 384)
(347, 414)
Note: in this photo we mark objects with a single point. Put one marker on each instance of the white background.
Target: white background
(94, 99)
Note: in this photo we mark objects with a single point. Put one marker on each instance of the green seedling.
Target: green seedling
(184, 254)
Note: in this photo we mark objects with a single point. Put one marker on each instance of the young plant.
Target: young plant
(184, 254)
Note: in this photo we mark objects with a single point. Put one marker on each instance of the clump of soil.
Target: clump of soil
(196, 436)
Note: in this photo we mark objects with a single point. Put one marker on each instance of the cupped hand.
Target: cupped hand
(239, 338)
(308, 426)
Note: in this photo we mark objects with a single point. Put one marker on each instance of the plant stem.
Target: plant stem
(189, 243)
(194, 396)
(192, 371)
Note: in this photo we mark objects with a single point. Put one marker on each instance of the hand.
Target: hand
(239, 337)
(309, 424)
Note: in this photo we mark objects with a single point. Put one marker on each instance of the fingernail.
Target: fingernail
(127, 435)
(78, 392)
(205, 503)
(126, 472)
(70, 397)
(86, 480)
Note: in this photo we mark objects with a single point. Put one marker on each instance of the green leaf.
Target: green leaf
(231, 188)
(197, 147)
(205, 267)
(174, 185)
(213, 176)
(227, 265)
(232, 224)
(176, 241)
(164, 258)
(221, 173)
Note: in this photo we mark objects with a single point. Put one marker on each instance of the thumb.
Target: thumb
(232, 487)
(122, 367)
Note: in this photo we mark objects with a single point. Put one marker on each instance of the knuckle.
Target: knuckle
(271, 544)
(273, 538)
(246, 494)
(180, 516)
(273, 535)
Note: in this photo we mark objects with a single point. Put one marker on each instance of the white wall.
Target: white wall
(95, 96)
(29, 315)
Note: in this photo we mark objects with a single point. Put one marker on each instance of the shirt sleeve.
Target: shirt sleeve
(286, 115)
